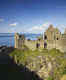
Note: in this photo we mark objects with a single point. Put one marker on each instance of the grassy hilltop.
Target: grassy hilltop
(49, 65)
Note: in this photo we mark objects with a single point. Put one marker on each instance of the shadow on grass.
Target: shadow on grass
(11, 71)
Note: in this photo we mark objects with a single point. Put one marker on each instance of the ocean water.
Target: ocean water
(8, 39)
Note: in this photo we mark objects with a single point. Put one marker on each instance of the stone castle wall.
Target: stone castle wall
(60, 44)
(19, 41)
(52, 37)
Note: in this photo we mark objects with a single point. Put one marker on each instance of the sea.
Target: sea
(8, 39)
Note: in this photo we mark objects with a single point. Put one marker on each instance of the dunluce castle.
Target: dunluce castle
(52, 38)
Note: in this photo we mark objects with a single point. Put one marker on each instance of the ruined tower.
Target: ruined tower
(54, 39)
(16, 40)
(19, 40)
(52, 36)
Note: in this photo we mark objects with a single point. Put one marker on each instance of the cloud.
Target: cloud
(1, 19)
(38, 29)
(61, 27)
(13, 24)
(42, 28)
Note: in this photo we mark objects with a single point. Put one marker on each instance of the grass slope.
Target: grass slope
(24, 57)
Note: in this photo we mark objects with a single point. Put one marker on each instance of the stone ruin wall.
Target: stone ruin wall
(52, 42)
(60, 44)
(32, 44)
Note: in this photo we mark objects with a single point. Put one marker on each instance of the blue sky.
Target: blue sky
(31, 15)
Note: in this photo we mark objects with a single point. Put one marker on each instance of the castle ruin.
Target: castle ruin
(19, 41)
(53, 38)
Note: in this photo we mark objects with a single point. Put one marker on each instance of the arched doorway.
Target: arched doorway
(45, 45)
(45, 37)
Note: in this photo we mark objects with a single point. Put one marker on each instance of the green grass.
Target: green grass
(50, 78)
(24, 55)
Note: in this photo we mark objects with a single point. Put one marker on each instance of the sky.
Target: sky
(33, 16)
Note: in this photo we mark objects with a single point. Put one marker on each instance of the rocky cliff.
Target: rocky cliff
(49, 65)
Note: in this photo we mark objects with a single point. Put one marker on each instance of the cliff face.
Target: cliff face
(49, 65)
(46, 66)
(42, 66)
